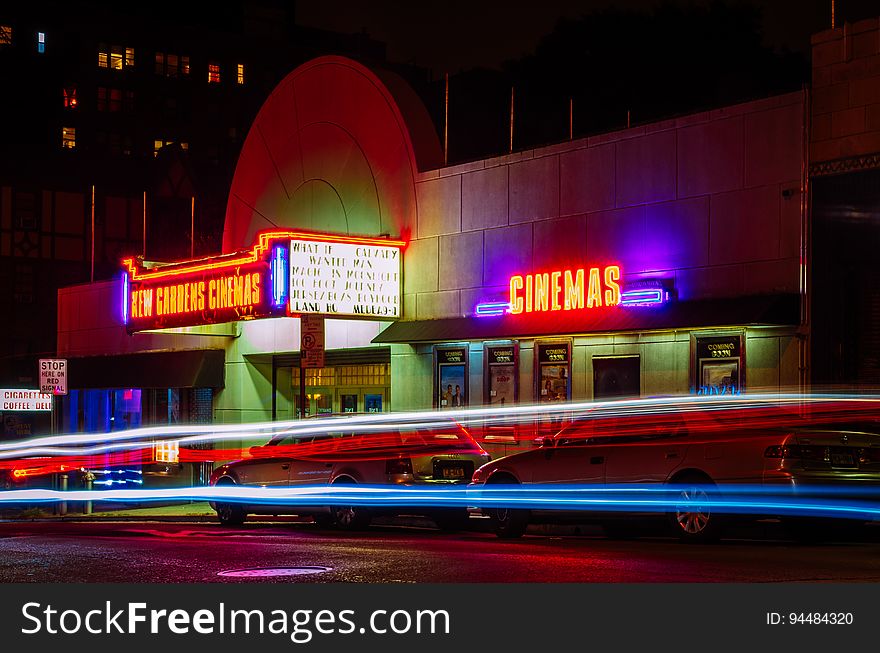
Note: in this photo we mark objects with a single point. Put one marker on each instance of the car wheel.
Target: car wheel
(452, 519)
(510, 523)
(350, 518)
(230, 514)
(692, 519)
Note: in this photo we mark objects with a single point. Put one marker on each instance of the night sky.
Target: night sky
(453, 35)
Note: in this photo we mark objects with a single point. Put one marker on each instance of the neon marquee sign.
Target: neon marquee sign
(248, 284)
(574, 289)
(565, 290)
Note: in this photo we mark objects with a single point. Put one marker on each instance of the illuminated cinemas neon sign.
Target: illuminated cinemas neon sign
(565, 290)
(574, 289)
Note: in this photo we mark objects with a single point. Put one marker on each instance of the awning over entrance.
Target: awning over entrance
(763, 310)
(202, 368)
(332, 357)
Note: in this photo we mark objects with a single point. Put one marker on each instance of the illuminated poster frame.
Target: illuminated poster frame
(501, 373)
(451, 373)
(553, 370)
(718, 363)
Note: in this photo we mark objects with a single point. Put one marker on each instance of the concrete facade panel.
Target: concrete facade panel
(421, 271)
(645, 169)
(710, 157)
(774, 145)
(560, 243)
(461, 260)
(677, 234)
(777, 276)
(534, 189)
(439, 202)
(618, 237)
(434, 305)
(484, 199)
(709, 282)
(587, 180)
(762, 363)
(507, 251)
(744, 225)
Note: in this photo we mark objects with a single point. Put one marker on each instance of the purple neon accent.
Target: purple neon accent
(279, 276)
(647, 297)
(486, 309)
(125, 297)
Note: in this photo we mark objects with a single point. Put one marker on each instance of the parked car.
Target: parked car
(399, 455)
(692, 466)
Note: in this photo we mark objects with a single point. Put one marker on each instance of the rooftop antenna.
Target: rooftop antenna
(446, 123)
(192, 228)
(510, 147)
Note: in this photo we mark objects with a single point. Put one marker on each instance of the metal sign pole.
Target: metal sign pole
(302, 387)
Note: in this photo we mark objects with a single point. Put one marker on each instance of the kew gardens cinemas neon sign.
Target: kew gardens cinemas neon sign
(286, 273)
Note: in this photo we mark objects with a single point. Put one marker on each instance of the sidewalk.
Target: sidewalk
(185, 512)
(195, 512)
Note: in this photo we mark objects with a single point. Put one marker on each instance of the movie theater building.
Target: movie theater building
(658, 260)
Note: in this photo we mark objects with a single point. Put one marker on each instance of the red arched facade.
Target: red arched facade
(335, 148)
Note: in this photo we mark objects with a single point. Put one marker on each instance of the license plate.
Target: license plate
(453, 472)
(842, 460)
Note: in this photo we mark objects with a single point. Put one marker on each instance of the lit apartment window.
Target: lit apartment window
(240, 74)
(115, 57)
(167, 451)
(5, 35)
(41, 42)
(184, 65)
(69, 97)
(68, 137)
(160, 63)
(213, 73)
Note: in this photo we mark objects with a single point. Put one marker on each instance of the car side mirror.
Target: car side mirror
(548, 442)
(256, 451)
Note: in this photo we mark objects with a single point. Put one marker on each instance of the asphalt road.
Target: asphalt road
(198, 552)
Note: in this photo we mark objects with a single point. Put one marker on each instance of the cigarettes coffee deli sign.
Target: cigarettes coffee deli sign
(285, 273)
(24, 401)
